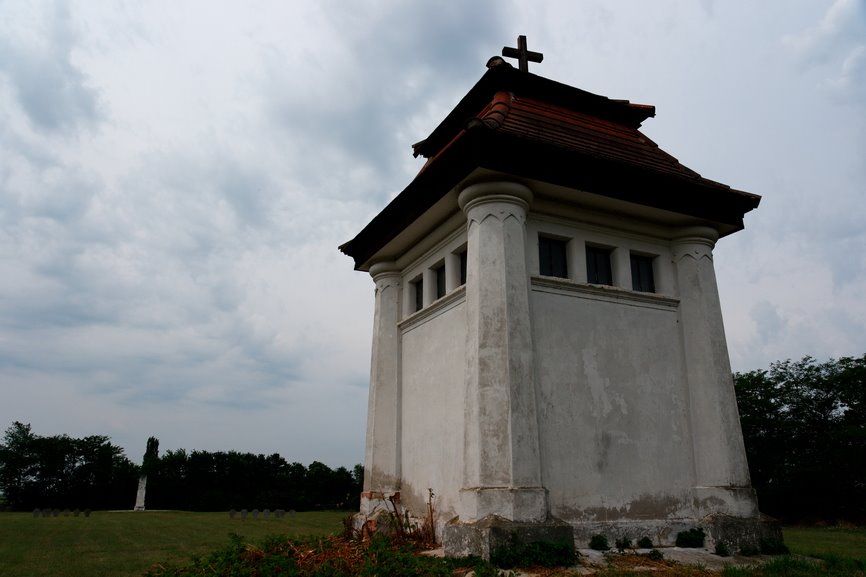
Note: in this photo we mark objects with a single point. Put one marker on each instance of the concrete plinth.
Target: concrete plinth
(737, 532)
(484, 537)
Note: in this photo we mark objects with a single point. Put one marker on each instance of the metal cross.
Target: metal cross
(524, 56)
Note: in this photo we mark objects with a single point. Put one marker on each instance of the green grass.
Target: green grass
(825, 542)
(120, 544)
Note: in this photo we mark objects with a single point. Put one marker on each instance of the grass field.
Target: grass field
(826, 542)
(120, 544)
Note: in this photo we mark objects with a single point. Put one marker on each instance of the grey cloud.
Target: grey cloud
(51, 90)
(769, 324)
(395, 62)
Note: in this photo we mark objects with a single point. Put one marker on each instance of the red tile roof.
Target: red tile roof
(532, 127)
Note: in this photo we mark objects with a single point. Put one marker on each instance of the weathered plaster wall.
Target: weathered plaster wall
(433, 375)
(613, 404)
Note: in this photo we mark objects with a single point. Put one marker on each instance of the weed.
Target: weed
(645, 542)
(622, 544)
(655, 555)
(693, 538)
(598, 543)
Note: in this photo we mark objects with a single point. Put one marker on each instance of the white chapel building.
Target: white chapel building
(548, 349)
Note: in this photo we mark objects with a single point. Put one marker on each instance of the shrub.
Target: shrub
(749, 551)
(774, 547)
(645, 543)
(598, 543)
(722, 549)
(655, 555)
(623, 543)
(693, 538)
(533, 554)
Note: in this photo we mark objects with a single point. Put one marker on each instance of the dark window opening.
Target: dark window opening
(463, 267)
(642, 273)
(440, 282)
(419, 294)
(598, 266)
(552, 260)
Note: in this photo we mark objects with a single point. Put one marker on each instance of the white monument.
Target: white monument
(548, 350)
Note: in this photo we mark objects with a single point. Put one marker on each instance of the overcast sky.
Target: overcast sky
(175, 178)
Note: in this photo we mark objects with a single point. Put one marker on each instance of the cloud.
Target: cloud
(38, 64)
(836, 46)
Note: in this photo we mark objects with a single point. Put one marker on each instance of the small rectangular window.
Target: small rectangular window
(440, 281)
(418, 285)
(552, 259)
(463, 267)
(642, 273)
(598, 265)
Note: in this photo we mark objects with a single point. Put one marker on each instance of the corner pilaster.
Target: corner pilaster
(721, 469)
(502, 468)
(382, 458)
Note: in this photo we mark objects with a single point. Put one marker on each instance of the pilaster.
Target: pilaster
(382, 457)
(721, 470)
(502, 469)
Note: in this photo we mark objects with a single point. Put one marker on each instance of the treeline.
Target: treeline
(204, 481)
(90, 473)
(804, 426)
(62, 472)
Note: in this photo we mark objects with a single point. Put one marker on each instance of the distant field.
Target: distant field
(121, 544)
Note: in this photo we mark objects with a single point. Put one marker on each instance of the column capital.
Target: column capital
(494, 191)
(694, 241)
(384, 269)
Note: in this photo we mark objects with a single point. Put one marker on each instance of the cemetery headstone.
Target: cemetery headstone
(76, 513)
(37, 513)
(255, 513)
(232, 513)
(266, 513)
(244, 513)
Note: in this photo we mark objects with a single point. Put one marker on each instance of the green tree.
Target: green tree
(804, 427)
(60, 471)
(19, 463)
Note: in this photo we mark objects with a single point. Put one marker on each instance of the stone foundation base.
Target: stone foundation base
(483, 537)
(735, 532)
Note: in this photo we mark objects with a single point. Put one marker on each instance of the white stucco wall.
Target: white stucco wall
(613, 403)
(433, 396)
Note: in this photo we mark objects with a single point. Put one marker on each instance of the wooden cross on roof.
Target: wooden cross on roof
(524, 56)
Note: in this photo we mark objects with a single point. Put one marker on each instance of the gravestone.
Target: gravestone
(280, 513)
(266, 513)
(244, 513)
(37, 513)
(232, 513)
(255, 513)
(548, 350)
(76, 513)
